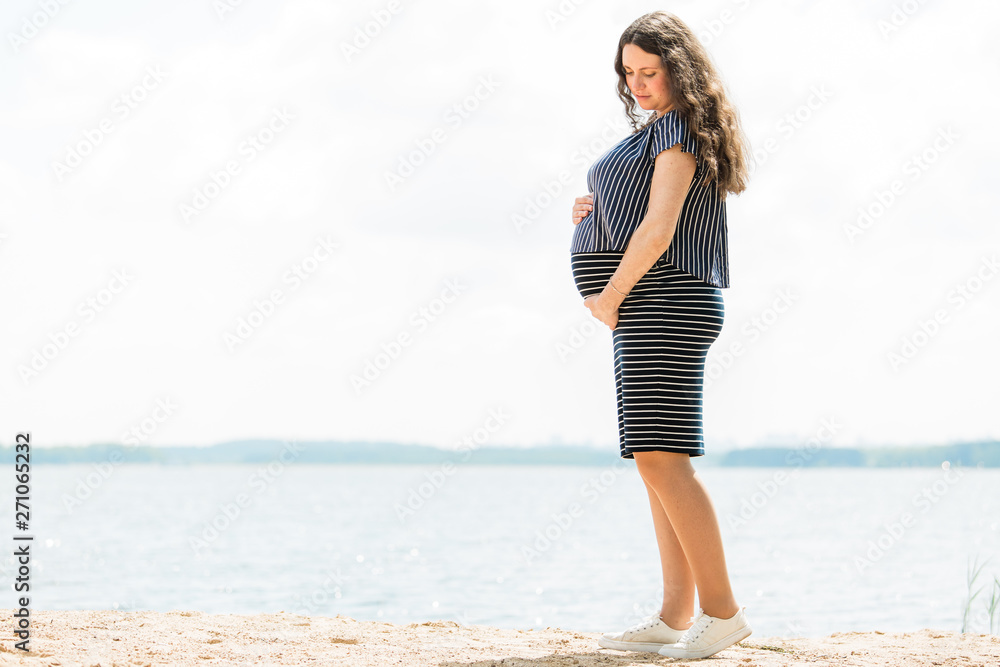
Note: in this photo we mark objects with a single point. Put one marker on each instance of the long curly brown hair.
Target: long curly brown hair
(697, 93)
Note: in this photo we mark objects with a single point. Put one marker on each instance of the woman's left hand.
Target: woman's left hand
(602, 310)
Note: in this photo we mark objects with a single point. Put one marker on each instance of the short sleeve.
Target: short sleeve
(668, 131)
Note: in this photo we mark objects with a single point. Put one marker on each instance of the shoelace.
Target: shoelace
(701, 623)
(648, 623)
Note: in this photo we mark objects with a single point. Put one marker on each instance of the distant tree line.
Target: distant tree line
(975, 454)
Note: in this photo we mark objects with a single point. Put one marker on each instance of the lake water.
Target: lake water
(810, 551)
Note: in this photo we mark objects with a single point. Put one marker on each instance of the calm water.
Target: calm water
(815, 552)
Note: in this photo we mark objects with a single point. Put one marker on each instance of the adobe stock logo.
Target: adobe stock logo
(899, 16)
(420, 321)
(928, 328)
(914, 168)
(454, 116)
(76, 153)
(381, 18)
(58, 341)
(204, 194)
(893, 532)
(32, 25)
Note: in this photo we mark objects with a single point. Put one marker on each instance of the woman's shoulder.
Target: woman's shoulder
(672, 121)
(669, 129)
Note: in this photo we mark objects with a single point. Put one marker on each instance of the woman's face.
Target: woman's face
(647, 79)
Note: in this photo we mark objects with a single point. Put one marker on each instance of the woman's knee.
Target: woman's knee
(656, 465)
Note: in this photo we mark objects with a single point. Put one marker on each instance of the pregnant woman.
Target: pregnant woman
(650, 256)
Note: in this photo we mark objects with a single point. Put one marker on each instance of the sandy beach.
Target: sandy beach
(106, 638)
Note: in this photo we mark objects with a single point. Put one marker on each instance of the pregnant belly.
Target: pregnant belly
(592, 270)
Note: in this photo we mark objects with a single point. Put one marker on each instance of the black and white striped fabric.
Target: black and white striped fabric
(665, 326)
(620, 180)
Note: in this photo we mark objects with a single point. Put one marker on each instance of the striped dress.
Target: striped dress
(670, 317)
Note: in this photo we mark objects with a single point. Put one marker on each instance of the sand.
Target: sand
(107, 638)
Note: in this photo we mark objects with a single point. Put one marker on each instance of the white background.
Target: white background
(884, 97)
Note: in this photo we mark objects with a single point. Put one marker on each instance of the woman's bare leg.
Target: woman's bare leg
(686, 504)
(678, 581)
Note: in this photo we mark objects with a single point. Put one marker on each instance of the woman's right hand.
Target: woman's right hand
(582, 207)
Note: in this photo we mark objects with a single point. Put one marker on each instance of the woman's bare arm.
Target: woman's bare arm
(672, 174)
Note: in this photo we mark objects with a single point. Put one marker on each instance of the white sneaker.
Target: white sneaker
(650, 635)
(709, 635)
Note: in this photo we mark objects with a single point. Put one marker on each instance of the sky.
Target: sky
(351, 221)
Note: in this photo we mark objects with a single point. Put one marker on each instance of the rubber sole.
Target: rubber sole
(711, 649)
(647, 647)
